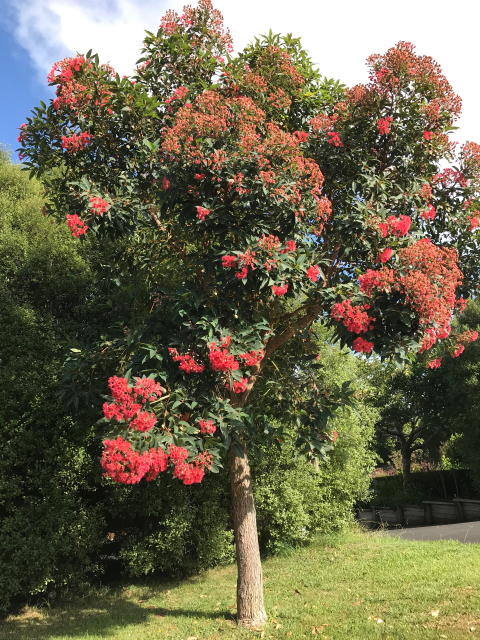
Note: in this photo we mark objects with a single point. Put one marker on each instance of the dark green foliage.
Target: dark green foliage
(47, 526)
(424, 485)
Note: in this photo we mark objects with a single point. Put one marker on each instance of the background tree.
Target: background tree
(218, 161)
(408, 421)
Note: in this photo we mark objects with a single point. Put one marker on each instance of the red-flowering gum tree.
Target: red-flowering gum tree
(283, 200)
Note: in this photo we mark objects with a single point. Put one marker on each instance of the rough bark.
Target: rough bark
(250, 604)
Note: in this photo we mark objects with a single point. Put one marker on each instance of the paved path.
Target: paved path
(462, 531)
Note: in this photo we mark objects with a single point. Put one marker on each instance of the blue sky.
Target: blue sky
(22, 88)
(339, 36)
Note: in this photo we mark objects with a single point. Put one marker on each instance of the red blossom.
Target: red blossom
(269, 243)
(207, 426)
(221, 359)
(279, 290)
(362, 346)
(188, 473)
(243, 273)
(290, 245)
(428, 135)
(399, 226)
(177, 454)
(334, 139)
(430, 213)
(202, 212)
(147, 389)
(229, 262)
(252, 358)
(98, 206)
(239, 386)
(76, 225)
(385, 255)
(75, 143)
(474, 220)
(372, 281)
(301, 136)
(187, 362)
(178, 94)
(435, 364)
(383, 125)
(165, 183)
(158, 460)
(458, 351)
(122, 464)
(143, 421)
(313, 272)
(354, 317)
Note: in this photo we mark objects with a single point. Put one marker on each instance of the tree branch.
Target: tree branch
(281, 338)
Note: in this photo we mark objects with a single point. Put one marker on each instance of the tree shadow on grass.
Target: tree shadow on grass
(96, 616)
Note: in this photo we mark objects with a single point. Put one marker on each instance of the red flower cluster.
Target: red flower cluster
(252, 358)
(400, 67)
(383, 125)
(355, 318)
(243, 261)
(75, 143)
(429, 284)
(202, 213)
(239, 386)
(178, 94)
(220, 357)
(385, 255)
(430, 213)
(188, 473)
(290, 245)
(301, 136)
(458, 351)
(147, 390)
(428, 135)
(187, 362)
(313, 272)
(123, 464)
(467, 336)
(362, 346)
(207, 426)
(98, 206)
(425, 191)
(435, 364)
(76, 225)
(334, 138)
(200, 19)
(143, 421)
(128, 401)
(371, 280)
(279, 290)
(269, 243)
(474, 221)
(396, 226)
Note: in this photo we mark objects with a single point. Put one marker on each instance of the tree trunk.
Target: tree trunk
(250, 606)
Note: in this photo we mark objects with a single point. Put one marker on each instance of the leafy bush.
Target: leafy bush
(297, 498)
(48, 528)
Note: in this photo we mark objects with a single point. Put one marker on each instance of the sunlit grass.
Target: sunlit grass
(356, 586)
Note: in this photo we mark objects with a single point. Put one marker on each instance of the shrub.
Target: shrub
(297, 499)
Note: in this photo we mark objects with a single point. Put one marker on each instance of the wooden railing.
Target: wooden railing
(429, 512)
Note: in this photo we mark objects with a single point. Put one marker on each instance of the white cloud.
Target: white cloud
(339, 35)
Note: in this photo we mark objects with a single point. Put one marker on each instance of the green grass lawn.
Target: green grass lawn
(356, 586)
